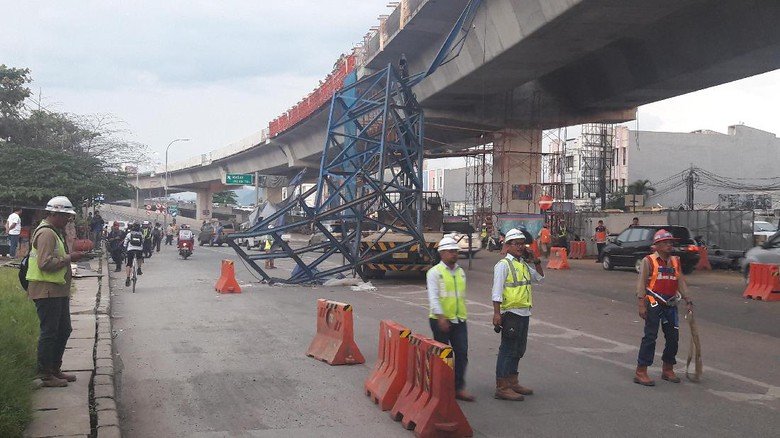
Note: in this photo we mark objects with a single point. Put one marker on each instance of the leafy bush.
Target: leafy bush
(18, 342)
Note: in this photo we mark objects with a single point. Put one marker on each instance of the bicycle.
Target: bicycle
(135, 272)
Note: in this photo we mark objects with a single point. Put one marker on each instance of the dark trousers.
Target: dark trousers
(116, 256)
(169, 239)
(54, 316)
(600, 249)
(458, 339)
(13, 244)
(156, 243)
(513, 345)
(666, 316)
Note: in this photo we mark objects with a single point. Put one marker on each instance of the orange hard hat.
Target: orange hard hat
(662, 235)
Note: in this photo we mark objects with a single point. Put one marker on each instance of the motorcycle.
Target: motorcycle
(186, 247)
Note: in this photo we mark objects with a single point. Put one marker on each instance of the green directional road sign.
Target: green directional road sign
(243, 179)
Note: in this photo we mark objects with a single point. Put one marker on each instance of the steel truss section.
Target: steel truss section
(370, 182)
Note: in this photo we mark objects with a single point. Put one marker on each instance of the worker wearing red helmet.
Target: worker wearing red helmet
(660, 287)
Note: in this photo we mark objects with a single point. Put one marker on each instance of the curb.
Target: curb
(103, 408)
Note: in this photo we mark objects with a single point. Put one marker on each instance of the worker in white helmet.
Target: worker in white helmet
(447, 298)
(512, 278)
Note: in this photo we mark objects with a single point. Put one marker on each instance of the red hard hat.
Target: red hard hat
(662, 235)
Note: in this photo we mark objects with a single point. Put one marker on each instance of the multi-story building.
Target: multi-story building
(733, 170)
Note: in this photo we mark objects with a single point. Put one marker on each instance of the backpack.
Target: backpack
(24, 265)
(136, 239)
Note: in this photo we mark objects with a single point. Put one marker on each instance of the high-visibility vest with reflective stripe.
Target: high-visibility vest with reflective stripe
(34, 273)
(483, 233)
(663, 277)
(601, 234)
(452, 292)
(517, 286)
(267, 244)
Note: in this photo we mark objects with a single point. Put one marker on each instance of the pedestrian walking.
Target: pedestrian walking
(659, 288)
(50, 277)
(115, 241)
(169, 231)
(600, 237)
(512, 302)
(96, 229)
(545, 239)
(447, 316)
(157, 235)
(13, 226)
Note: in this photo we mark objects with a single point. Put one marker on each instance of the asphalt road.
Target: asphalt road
(196, 363)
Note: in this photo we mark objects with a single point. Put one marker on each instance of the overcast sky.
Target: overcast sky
(219, 71)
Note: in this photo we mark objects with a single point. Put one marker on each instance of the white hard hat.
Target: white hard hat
(60, 204)
(513, 234)
(446, 243)
(146, 222)
(270, 227)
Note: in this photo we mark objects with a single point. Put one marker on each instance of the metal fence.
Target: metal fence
(729, 229)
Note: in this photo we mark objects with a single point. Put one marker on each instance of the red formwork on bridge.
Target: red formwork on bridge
(315, 100)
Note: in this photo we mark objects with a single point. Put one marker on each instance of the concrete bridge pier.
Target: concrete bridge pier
(203, 203)
(273, 194)
(517, 164)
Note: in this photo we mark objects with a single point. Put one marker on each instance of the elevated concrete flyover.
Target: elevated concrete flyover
(526, 66)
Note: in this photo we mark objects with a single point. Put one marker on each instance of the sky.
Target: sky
(215, 72)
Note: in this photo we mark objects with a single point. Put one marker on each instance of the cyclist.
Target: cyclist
(134, 242)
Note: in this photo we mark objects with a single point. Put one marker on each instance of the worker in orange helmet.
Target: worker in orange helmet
(660, 287)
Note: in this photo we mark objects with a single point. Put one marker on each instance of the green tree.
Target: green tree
(641, 187)
(32, 177)
(227, 197)
(617, 200)
(13, 89)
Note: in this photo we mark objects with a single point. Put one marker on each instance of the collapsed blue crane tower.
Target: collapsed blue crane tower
(370, 176)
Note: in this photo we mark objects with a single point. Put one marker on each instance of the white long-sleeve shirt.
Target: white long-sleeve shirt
(500, 272)
(434, 288)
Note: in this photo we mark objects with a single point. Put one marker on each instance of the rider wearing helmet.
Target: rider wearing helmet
(134, 242)
(146, 231)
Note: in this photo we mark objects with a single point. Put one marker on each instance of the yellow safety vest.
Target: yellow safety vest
(517, 286)
(267, 245)
(34, 273)
(483, 234)
(452, 292)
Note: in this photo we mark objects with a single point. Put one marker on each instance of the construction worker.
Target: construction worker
(447, 297)
(483, 235)
(659, 288)
(600, 237)
(563, 235)
(512, 278)
(269, 263)
(545, 239)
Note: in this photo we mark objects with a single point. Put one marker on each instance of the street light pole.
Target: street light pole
(165, 215)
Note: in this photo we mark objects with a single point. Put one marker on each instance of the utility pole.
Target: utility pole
(690, 181)
(603, 167)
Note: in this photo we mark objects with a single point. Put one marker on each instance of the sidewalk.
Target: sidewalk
(86, 407)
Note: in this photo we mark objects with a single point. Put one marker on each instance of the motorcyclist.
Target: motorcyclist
(146, 232)
(115, 241)
(185, 234)
(134, 243)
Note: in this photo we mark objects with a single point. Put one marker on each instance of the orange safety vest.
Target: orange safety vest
(544, 235)
(663, 278)
(601, 234)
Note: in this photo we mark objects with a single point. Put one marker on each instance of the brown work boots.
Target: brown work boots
(667, 373)
(508, 389)
(49, 380)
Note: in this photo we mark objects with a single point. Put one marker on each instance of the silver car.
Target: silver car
(768, 252)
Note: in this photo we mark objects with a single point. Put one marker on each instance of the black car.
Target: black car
(633, 244)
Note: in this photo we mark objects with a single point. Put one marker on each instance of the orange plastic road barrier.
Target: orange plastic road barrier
(578, 249)
(334, 342)
(412, 388)
(389, 375)
(558, 259)
(434, 411)
(764, 282)
(227, 280)
(704, 260)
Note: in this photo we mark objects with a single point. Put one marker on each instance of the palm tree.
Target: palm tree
(641, 187)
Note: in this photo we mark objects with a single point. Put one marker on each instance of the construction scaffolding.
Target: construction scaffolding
(596, 160)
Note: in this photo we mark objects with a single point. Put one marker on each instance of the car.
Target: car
(762, 231)
(207, 233)
(768, 252)
(634, 243)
